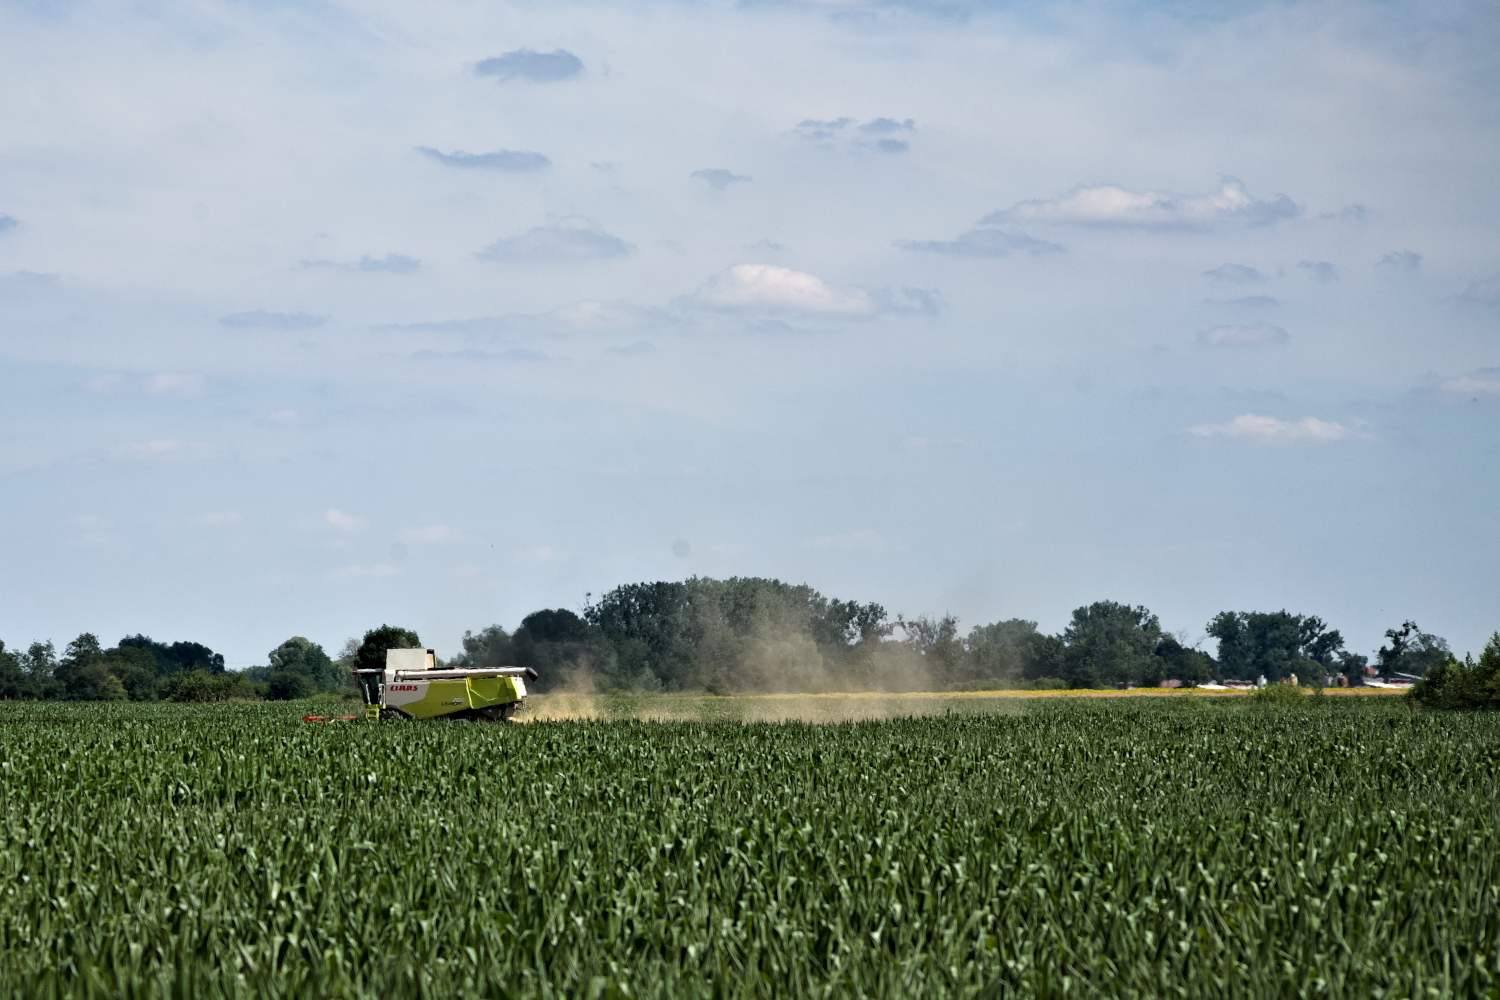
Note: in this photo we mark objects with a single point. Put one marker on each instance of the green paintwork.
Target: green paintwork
(446, 697)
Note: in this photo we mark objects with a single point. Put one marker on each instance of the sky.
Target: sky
(317, 316)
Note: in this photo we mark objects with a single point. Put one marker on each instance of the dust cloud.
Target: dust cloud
(745, 708)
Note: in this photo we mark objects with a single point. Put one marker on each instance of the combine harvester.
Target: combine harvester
(411, 688)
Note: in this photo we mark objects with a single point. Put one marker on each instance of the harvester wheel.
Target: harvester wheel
(390, 713)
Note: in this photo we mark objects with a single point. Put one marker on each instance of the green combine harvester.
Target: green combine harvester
(410, 687)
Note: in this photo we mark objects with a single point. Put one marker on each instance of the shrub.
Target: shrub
(1279, 694)
(1463, 686)
(200, 685)
(284, 685)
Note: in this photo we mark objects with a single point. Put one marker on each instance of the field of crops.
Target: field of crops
(1142, 847)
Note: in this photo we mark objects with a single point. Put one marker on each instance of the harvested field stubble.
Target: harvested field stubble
(1139, 847)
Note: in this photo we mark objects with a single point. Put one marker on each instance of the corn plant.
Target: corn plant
(1140, 848)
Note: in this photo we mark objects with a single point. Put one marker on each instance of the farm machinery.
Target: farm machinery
(410, 687)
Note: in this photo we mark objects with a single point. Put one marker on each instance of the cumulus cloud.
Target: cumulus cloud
(1108, 205)
(164, 451)
(1239, 274)
(586, 316)
(509, 354)
(183, 385)
(432, 534)
(718, 178)
(880, 135)
(537, 67)
(219, 519)
(591, 315)
(1485, 291)
(1269, 430)
(363, 572)
(1349, 213)
(338, 520)
(500, 159)
(391, 263)
(888, 126)
(567, 239)
(283, 418)
(273, 320)
(1484, 383)
(811, 128)
(768, 288)
(877, 135)
(983, 243)
(7, 223)
(1402, 260)
(1253, 335)
(394, 263)
(1319, 270)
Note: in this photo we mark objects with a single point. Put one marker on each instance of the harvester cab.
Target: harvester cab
(410, 687)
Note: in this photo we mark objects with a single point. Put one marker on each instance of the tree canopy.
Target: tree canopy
(753, 634)
(1275, 644)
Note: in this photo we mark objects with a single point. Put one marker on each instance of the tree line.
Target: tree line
(751, 634)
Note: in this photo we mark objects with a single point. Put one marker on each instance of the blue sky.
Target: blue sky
(319, 316)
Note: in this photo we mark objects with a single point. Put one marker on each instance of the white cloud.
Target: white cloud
(1269, 430)
(853, 541)
(1108, 205)
(1485, 291)
(164, 451)
(1238, 273)
(1319, 270)
(537, 67)
(433, 534)
(600, 316)
(1250, 335)
(391, 263)
(284, 418)
(183, 385)
(219, 519)
(273, 320)
(768, 288)
(536, 555)
(984, 243)
(336, 518)
(1402, 260)
(363, 572)
(500, 159)
(573, 238)
(719, 178)
(1467, 385)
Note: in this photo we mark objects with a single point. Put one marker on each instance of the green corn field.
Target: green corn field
(1144, 848)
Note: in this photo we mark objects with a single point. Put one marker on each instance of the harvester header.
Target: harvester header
(411, 687)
